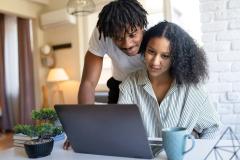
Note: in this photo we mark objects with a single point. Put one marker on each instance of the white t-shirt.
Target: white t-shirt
(122, 63)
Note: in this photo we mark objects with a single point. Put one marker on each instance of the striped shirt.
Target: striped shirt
(183, 106)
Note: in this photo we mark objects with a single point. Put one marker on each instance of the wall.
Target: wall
(65, 58)
(21, 8)
(71, 60)
(86, 24)
(221, 37)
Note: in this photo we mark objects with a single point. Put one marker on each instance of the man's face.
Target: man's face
(129, 42)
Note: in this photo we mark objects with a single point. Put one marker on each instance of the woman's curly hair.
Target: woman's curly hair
(188, 60)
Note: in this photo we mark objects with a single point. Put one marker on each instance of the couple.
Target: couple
(164, 80)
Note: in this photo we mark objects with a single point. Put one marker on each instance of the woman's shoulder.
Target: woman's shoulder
(198, 91)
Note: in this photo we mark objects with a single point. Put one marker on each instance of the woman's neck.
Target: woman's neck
(161, 85)
(160, 80)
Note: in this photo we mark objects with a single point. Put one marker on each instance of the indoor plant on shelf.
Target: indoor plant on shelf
(43, 132)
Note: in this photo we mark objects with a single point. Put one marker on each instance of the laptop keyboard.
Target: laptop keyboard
(156, 147)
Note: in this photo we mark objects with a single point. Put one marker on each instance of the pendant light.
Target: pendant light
(80, 7)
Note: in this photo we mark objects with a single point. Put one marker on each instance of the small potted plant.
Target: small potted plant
(44, 131)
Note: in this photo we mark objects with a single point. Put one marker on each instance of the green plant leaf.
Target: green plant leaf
(28, 130)
(44, 114)
(42, 130)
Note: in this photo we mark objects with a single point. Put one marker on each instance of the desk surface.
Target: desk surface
(198, 153)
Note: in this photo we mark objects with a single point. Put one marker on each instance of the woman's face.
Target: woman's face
(157, 56)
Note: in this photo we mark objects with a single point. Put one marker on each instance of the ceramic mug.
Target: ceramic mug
(174, 142)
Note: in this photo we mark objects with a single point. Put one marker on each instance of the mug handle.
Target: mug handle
(193, 142)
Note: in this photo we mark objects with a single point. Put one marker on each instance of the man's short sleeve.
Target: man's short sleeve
(96, 46)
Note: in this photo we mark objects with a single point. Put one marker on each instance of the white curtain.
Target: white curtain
(12, 67)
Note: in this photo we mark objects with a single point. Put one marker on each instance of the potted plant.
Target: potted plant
(43, 132)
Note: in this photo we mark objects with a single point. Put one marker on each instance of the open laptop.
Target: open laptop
(112, 129)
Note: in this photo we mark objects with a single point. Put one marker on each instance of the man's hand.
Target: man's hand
(66, 145)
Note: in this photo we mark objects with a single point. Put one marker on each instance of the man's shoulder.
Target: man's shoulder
(100, 45)
(134, 77)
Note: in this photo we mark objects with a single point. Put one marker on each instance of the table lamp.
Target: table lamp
(57, 75)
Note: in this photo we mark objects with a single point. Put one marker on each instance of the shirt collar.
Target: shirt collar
(142, 77)
(144, 80)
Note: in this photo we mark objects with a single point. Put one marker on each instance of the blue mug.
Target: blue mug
(174, 142)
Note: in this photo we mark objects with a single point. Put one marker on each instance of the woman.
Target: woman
(169, 92)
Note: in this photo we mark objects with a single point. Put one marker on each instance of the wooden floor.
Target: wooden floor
(6, 141)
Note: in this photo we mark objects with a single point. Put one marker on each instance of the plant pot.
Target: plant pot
(39, 148)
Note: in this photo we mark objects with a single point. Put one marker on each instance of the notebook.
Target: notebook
(111, 129)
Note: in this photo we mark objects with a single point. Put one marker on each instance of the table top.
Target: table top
(199, 152)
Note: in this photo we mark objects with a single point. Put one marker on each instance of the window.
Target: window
(106, 74)
(11, 64)
(186, 14)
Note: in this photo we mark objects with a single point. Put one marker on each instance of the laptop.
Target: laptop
(111, 129)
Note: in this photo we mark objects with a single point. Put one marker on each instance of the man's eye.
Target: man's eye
(132, 35)
(118, 39)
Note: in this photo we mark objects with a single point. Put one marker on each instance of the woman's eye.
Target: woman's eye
(165, 56)
(150, 52)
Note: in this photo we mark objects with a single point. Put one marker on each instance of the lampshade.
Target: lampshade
(80, 7)
(57, 74)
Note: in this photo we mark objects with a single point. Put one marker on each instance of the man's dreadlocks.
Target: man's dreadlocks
(117, 16)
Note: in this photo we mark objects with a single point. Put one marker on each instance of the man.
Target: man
(118, 34)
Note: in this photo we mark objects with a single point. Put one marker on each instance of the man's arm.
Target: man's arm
(91, 74)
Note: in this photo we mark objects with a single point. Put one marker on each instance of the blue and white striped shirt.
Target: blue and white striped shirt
(183, 106)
